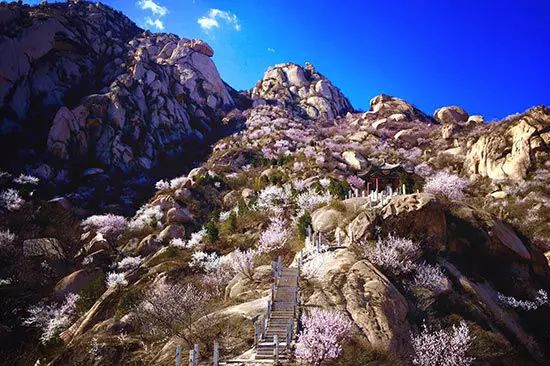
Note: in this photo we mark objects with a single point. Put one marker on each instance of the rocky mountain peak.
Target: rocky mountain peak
(86, 83)
(303, 89)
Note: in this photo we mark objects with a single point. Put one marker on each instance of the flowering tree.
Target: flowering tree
(109, 225)
(356, 182)
(11, 199)
(172, 309)
(442, 347)
(162, 185)
(272, 199)
(430, 277)
(446, 184)
(243, 262)
(322, 337)
(275, 236)
(393, 254)
(6, 238)
(510, 301)
(310, 200)
(52, 319)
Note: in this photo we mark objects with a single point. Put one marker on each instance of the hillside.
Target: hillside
(145, 201)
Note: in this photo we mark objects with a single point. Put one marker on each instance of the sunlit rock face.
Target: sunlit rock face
(301, 89)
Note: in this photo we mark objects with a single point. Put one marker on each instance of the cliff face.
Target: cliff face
(81, 82)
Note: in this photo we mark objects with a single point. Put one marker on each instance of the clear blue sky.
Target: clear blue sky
(490, 57)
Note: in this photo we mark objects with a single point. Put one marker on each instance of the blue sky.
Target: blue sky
(490, 57)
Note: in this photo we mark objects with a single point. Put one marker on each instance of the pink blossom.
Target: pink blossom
(11, 199)
(446, 184)
(356, 182)
(109, 225)
(322, 337)
(430, 277)
(243, 262)
(442, 347)
(275, 236)
(393, 254)
(52, 319)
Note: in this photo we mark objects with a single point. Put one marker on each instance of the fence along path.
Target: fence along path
(275, 332)
(277, 335)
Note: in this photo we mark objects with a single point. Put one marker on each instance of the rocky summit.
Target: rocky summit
(150, 214)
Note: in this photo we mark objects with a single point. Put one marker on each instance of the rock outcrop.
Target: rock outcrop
(101, 89)
(513, 149)
(304, 90)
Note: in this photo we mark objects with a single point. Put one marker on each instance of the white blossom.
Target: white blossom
(442, 347)
(116, 279)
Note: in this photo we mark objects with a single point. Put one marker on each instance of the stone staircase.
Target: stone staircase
(281, 317)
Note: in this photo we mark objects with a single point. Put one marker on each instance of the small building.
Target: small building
(378, 177)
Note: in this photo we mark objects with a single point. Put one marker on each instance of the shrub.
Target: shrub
(272, 199)
(196, 239)
(116, 279)
(26, 179)
(129, 263)
(310, 200)
(52, 319)
(11, 199)
(205, 261)
(90, 293)
(147, 217)
(430, 277)
(393, 254)
(442, 347)
(338, 189)
(6, 238)
(322, 336)
(315, 261)
(109, 225)
(446, 184)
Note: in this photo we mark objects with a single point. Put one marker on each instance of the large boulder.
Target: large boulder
(375, 306)
(76, 281)
(47, 248)
(328, 218)
(416, 216)
(154, 94)
(385, 107)
(451, 115)
(355, 160)
(178, 215)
